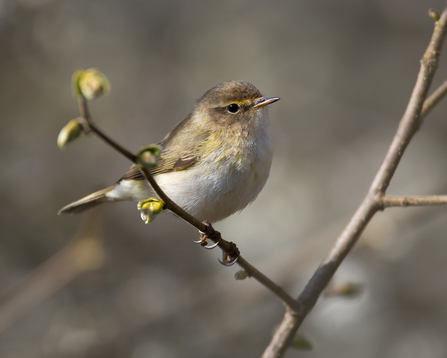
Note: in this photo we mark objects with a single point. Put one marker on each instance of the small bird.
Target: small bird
(213, 163)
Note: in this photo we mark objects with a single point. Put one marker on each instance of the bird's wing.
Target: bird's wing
(163, 166)
(181, 150)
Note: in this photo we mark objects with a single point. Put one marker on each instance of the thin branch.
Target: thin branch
(291, 303)
(434, 98)
(412, 119)
(408, 126)
(91, 127)
(215, 236)
(169, 204)
(389, 201)
(375, 200)
(280, 341)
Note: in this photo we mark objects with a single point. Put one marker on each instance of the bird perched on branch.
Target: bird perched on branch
(213, 163)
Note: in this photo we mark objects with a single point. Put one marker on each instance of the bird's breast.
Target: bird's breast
(230, 174)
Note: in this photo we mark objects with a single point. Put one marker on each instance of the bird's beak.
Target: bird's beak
(262, 102)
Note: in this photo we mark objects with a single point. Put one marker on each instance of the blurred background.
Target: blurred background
(104, 284)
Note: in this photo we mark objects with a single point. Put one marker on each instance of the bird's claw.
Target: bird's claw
(210, 247)
(210, 233)
(230, 258)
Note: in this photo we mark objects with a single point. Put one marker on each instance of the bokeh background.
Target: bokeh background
(103, 284)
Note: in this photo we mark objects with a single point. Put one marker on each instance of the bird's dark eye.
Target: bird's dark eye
(233, 108)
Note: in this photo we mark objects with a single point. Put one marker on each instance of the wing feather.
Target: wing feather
(180, 151)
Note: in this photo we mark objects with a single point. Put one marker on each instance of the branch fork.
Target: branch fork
(376, 199)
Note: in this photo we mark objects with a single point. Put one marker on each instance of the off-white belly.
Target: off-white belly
(208, 192)
(214, 195)
(224, 182)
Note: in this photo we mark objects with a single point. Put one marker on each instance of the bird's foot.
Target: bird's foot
(210, 234)
(230, 258)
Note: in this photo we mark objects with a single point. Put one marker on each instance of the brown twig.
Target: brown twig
(434, 98)
(389, 201)
(226, 246)
(375, 200)
(91, 127)
(409, 125)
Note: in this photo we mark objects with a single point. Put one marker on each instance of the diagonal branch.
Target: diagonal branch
(91, 127)
(227, 247)
(408, 126)
(412, 119)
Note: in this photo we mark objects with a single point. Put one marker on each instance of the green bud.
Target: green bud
(150, 208)
(433, 14)
(90, 84)
(350, 290)
(69, 133)
(147, 157)
(241, 275)
(344, 289)
(302, 343)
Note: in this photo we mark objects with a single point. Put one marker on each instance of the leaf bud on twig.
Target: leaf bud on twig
(150, 208)
(69, 133)
(302, 343)
(241, 275)
(344, 289)
(147, 157)
(90, 84)
(433, 14)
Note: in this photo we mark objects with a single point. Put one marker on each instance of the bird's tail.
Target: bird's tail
(87, 202)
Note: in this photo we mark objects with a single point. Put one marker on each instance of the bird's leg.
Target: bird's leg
(211, 234)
